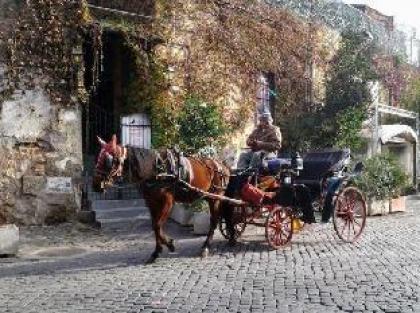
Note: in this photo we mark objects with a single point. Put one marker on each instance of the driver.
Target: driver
(264, 140)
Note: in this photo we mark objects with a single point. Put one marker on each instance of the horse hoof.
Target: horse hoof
(151, 259)
(171, 246)
(205, 253)
(232, 242)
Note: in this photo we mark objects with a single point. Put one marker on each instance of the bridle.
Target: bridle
(110, 163)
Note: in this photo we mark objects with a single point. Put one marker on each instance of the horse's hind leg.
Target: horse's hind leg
(214, 219)
(168, 241)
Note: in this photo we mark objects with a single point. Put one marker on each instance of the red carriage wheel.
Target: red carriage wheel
(278, 227)
(239, 223)
(349, 214)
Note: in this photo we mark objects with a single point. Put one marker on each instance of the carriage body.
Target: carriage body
(266, 206)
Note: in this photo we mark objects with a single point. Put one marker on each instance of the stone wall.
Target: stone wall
(40, 144)
(41, 162)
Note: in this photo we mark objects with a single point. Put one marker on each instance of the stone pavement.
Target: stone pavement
(76, 269)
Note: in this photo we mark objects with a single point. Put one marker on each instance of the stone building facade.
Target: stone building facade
(46, 139)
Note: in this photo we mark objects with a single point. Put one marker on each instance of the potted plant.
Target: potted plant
(382, 180)
(398, 201)
(201, 216)
(181, 214)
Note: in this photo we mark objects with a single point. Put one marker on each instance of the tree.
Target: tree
(200, 125)
(347, 89)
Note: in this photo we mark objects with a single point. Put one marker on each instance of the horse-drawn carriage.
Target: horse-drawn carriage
(278, 193)
(273, 195)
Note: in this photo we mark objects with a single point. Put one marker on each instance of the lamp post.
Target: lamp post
(77, 53)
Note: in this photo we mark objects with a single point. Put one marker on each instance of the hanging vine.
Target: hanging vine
(231, 42)
(210, 48)
(40, 48)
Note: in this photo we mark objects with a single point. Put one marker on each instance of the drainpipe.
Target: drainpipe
(416, 152)
(376, 131)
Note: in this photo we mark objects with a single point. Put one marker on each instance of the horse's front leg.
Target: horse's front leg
(214, 220)
(160, 208)
(158, 247)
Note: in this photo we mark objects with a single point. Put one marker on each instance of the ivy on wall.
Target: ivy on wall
(217, 50)
(41, 46)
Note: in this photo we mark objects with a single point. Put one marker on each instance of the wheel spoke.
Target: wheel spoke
(344, 226)
(278, 227)
(354, 229)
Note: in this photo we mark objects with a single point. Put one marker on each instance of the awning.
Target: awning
(393, 133)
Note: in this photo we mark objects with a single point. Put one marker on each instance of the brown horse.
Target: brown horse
(162, 191)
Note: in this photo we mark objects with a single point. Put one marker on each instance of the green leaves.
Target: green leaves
(350, 72)
(200, 125)
(349, 126)
(382, 177)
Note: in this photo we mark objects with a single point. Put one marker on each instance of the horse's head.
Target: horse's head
(109, 164)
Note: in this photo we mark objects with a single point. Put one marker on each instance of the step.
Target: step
(114, 195)
(98, 205)
(121, 212)
(123, 222)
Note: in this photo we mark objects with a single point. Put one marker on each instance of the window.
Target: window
(136, 131)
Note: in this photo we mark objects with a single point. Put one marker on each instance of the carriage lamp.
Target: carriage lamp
(287, 180)
(297, 162)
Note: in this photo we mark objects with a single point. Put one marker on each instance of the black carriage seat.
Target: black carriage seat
(319, 163)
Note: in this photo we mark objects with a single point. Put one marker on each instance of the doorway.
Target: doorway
(105, 77)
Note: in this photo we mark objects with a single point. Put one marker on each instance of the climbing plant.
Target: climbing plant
(227, 44)
(410, 98)
(223, 46)
(42, 43)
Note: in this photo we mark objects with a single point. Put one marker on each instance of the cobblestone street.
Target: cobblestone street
(77, 269)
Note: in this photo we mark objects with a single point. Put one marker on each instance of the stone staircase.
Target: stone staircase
(118, 208)
(119, 214)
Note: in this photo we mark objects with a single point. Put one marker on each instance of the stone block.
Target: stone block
(9, 239)
(27, 117)
(378, 207)
(33, 185)
(181, 215)
(201, 223)
(398, 204)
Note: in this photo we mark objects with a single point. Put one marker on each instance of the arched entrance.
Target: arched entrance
(106, 77)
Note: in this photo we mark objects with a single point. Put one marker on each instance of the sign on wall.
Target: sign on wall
(59, 184)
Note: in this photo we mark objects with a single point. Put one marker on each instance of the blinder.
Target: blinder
(109, 161)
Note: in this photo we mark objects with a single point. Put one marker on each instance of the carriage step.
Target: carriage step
(120, 212)
(116, 204)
